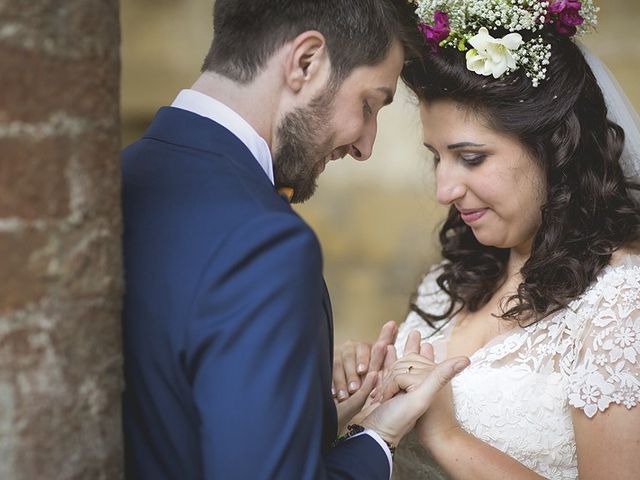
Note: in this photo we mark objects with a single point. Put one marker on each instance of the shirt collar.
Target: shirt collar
(206, 106)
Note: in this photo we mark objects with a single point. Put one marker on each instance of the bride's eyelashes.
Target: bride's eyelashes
(470, 159)
(473, 159)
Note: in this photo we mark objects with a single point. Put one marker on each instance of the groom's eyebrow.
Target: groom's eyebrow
(388, 95)
(464, 144)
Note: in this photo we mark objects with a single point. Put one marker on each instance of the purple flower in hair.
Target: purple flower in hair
(438, 32)
(558, 6)
(568, 16)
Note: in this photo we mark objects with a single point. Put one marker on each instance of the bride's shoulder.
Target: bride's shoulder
(429, 283)
(628, 255)
(618, 283)
(603, 332)
(622, 273)
(429, 296)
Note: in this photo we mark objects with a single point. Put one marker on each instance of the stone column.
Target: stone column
(60, 267)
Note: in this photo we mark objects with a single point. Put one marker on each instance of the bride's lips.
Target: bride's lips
(470, 215)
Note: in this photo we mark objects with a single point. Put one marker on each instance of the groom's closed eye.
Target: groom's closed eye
(388, 95)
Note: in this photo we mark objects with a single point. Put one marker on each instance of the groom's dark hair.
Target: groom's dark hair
(358, 32)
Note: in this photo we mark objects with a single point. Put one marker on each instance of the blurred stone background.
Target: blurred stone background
(377, 220)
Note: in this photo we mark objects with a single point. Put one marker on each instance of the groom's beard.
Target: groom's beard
(299, 159)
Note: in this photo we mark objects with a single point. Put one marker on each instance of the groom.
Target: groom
(227, 321)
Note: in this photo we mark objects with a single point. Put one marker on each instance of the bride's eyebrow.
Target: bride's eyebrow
(464, 145)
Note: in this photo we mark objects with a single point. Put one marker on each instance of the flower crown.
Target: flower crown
(467, 26)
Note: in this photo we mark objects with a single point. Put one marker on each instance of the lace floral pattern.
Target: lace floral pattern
(518, 393)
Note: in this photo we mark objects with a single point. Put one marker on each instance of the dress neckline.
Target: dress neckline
(629, 259)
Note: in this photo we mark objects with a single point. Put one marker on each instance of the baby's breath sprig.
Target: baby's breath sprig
(470, 26)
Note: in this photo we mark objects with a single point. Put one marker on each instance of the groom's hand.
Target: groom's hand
(352, 360)
(351, 407)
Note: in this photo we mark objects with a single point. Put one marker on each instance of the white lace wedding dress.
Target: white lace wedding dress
(518, 392)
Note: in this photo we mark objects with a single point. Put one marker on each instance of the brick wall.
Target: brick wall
(60, 273)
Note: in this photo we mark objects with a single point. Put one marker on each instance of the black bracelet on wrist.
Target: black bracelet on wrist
(355, 429)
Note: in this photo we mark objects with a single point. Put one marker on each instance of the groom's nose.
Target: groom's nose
(362, 148)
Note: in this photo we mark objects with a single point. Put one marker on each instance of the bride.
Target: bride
(540, 282)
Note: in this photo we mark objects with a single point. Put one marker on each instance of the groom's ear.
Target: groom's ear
(307, 63)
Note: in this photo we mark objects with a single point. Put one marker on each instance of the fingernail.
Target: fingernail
(362, 368)
(461, 365)
(333, 391)
(353, 386)
(342, 395)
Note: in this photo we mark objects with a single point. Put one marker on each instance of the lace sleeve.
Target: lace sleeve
(429, 297)
(606, 369)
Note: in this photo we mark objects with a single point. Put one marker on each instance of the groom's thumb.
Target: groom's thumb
(441, 375)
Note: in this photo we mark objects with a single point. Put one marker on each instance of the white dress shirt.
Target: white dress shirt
(206, 106)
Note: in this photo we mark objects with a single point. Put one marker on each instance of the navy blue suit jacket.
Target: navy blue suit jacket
(227, 321)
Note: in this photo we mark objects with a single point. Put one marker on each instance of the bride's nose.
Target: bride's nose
(449, 186)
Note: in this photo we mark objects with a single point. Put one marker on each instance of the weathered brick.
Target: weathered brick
(36, 85)
(66, 400)
(98, 160)
(23, 260)
(85, 264)
(60, 259)
(69, 29)
(33, 183)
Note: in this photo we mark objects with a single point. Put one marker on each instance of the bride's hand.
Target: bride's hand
(417, 363)
(439, 422)
(352, 360)
(408, 390)
(409, 371)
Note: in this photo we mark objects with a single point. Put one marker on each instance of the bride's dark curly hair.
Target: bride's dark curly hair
(589, 211)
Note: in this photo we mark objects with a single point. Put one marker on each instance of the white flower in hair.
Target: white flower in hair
(493, 56)
(455, 24)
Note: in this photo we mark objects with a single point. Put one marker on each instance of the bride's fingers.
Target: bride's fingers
(426, 350)
(415, 359)
(378, 354)
(409, 378)
(441, 375)
(388, 333)
(413, 342)
(411, 366)
(378, 391)
(405, 374)
(378, 351)
(390, 358)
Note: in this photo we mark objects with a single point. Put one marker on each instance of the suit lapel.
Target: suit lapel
(331, 420)
(326, 303)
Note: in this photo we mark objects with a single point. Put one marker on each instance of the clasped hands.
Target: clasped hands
(389, 395)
